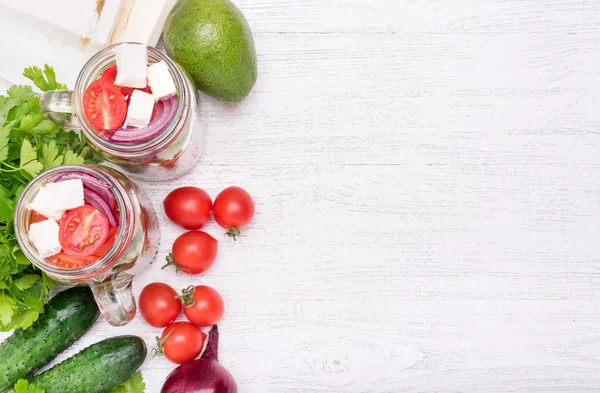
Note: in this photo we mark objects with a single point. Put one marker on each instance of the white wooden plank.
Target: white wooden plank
(432, 16)
(498, 98)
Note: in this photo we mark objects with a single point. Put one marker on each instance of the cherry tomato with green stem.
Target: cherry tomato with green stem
(233, 209)
(193, 252)
(180, 342)
(202, 305)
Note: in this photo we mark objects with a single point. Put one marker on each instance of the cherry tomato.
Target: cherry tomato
(71, 261)
(104, 105)
(110, 74)
(188, 207)
(159, 304)
(202, 305)
(181, 342)
(110, 240)
(193, 252)
(82, 231)
(233, 209)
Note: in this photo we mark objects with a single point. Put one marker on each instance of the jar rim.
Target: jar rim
(114, 254)
(90, 71)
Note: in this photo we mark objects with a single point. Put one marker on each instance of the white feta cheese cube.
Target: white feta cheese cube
(161, 81)
(66, 194)
(43, 204)
(132, 62)
(44, 236)
(140, 109)
(54, 199)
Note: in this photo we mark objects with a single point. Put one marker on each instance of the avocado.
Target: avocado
(211, 39)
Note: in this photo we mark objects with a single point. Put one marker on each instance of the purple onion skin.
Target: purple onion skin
(204, 375)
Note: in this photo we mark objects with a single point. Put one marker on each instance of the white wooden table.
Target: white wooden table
(427, 184)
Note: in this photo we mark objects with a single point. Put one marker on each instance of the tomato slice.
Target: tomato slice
(110, 239)
(70, 261)
(110, 74)
(82, 231)
(37, 217)
(105, 105)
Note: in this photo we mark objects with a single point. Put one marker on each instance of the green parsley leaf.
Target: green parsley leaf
(6, 104)
(20, 257)
(45, 80)
(22, 386)
(31, 296)
(72, 158)
(4, 134)
(135, 384)
(47, 128)
(7, 206)
(29, 162)
(50, 157)
(20, 92)
(26, 281)
(30, 121)
(8, 305)
(48, 284)
(22, 320)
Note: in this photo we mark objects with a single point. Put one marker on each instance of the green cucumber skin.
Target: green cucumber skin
(97, 369)
(67, 317)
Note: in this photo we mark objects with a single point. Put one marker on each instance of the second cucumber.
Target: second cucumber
(96, 369)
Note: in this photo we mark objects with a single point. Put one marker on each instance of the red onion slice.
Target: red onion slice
(94, 199)
(165, 112)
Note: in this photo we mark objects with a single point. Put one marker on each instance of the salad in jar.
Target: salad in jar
(138, 110)
(74, 220)
(132, 101)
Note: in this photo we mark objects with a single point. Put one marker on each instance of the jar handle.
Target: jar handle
(58, 105)
(115, 298)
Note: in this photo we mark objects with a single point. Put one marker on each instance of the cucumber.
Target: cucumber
(67, 316)
(97, 368)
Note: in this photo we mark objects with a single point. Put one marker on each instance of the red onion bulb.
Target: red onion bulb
(204, 375)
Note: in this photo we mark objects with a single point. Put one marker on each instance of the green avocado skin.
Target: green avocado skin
(211, 39)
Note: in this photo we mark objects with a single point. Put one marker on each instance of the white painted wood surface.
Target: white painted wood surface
(427, 184)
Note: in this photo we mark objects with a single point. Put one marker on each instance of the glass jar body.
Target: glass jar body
(135, 246)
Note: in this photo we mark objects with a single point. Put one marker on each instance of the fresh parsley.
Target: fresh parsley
(45, 80)
(29, 144)
(22, 386)
(135, 384)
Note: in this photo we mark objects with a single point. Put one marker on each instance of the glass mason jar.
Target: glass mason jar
(135, 246)
(170, 154)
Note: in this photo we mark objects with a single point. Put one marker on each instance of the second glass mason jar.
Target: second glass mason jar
(170, 154)
(135, 246)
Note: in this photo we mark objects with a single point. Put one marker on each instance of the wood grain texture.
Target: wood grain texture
(427, 185)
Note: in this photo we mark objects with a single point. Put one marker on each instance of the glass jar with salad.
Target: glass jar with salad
(82, 224)
(137, 108)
